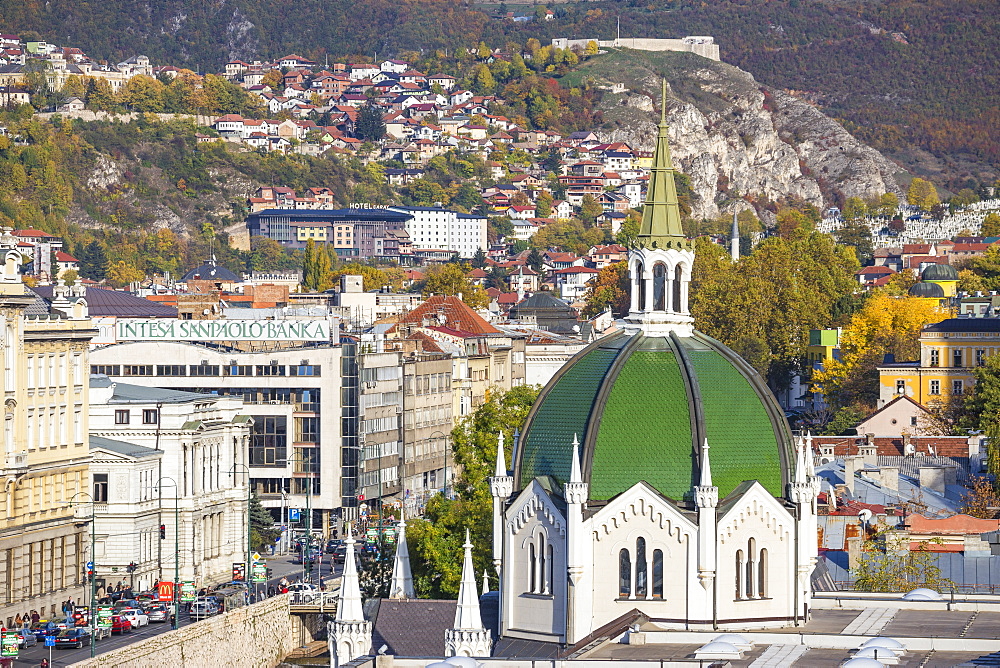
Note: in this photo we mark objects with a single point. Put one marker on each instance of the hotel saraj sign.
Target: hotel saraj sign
(223, 330)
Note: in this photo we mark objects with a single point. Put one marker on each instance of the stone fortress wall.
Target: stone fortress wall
(255, 636)
(704, 45)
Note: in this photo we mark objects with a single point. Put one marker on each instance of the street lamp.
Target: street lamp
(93, 566)
(232, 471)
(177, 545)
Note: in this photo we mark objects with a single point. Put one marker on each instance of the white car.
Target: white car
(135, 616)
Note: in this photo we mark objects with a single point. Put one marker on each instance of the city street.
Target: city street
(281, 566)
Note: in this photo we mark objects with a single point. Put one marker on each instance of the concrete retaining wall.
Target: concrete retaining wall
(255, 636)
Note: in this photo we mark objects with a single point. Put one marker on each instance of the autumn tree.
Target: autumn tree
(543, 204)
(889, 564)
(451, 279)
(980, 498)
(610, 288)
(121, 273)
(886, 325)
(372, 278)
(922, 194)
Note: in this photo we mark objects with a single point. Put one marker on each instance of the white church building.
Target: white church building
(655, 472)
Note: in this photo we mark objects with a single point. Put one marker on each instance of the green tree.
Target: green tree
(629, 231)
(534, 259)
(888, 564)
(991, 225)
(310, 269)
(982, 408)
(266, 254)
(844, 419)
(856, 234)
(435, 540)
(590, 209)
(543, 204)
(262, 530)
(370, 125)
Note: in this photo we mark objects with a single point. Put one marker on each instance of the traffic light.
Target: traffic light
(163, 532)
(131, 568)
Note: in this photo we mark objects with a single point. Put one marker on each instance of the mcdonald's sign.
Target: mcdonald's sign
(165, 590)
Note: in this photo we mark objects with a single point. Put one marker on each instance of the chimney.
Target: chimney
(908, 448)
(868, 451)
(852, 464)
(932, 478)
(890, 478)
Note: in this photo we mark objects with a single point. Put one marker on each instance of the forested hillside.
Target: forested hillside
(918, 80)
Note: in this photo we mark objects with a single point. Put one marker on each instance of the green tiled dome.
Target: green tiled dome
(642, 405)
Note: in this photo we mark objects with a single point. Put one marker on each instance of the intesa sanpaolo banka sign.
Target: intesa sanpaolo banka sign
(223, 330)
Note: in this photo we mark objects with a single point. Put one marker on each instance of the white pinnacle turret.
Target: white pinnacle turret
(574, 473)
(402, 579)
(501, 466)
(349, 603)
(467, 637)
(706, 466)
(800, 460)
(576, 491)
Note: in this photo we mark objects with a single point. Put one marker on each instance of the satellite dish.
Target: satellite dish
(865, 516)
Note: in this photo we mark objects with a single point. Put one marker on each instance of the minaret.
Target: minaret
(706, 499)
(402, 579)
(734, 240)
(579, 594)
(501, 487)
(660, 265)
(350, 636)
(486, 582)
(467, 637)
(802, 492)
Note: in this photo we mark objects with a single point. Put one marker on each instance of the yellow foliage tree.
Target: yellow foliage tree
(121, 273)
(885, 325)
(450, 279)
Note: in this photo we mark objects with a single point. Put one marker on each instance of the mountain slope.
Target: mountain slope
(734, 137)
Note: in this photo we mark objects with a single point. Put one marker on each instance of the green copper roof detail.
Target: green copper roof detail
(741, 436)
(646, 420)
(642, 406)
(661, 215)
(547, 448)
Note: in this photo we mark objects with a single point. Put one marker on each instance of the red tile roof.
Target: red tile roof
(943, 446)
(451, 312)
(956, 525)
(32, 233)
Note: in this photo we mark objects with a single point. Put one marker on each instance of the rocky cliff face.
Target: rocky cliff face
(736, 139)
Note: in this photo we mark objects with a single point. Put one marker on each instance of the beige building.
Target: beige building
(44, 540)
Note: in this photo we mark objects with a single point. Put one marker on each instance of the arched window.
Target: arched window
(657, 573)
(739, 574)
(624, 574)
(548, 575)
(641, 585)
(659, 287)
(542, 584)
(532, 569)
(675, 301)
(751, 576)
(640, 286)
(762, 573)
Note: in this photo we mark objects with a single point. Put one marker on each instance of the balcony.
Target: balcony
(16, 463)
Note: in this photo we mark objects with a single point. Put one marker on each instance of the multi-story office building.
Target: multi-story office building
(161, 455)
(292, 390)
(355, 232)
(437, 228)
(44, 518)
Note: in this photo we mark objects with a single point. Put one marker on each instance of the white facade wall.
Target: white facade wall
(446, 230)
(272, 479)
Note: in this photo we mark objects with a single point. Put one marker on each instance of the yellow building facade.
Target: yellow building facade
(950, 351)
(44, 540)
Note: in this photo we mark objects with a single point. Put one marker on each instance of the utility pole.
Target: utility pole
(93, 567)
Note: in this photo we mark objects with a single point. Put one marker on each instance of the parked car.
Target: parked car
(332, 545)
(160, 613)
(136, 616)
(120, 624)
(44, 628)
(25, 638)
(73, 638)
(203, 608)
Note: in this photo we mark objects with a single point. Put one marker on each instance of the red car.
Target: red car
(120, 624)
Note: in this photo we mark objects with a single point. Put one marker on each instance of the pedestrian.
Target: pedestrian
(44, 663)
(35, 616)
(17, 621)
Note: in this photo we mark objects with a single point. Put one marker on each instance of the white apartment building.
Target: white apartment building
(293, 394)
(434, 227)
(154, 448)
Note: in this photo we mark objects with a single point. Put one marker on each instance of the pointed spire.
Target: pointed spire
(661, 215)
(501, 467)
(734, 239)
(706, 466)
(810, 466)
(486, 581)
(800, 459)
(467, 616)
(574, 474)
(349, 601)
(402, 579)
